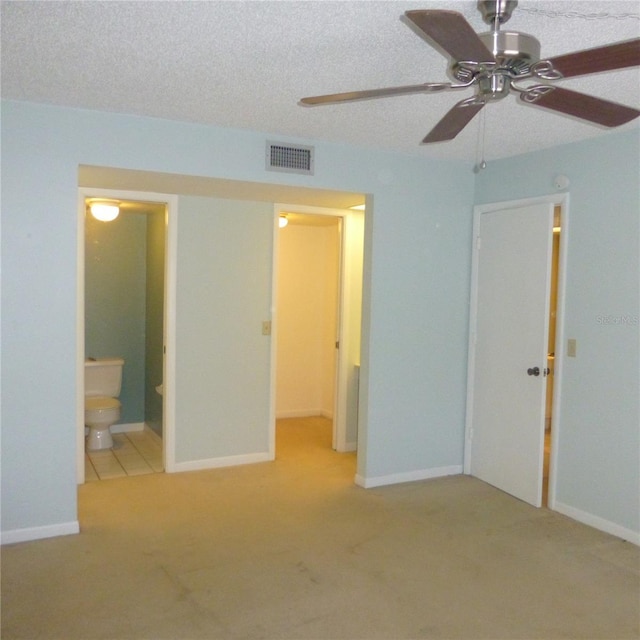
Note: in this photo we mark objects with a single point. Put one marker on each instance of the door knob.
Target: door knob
(533, 371)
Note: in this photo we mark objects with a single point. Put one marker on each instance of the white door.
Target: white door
(508, 348)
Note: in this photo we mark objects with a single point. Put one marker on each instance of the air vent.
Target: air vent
(288, 158)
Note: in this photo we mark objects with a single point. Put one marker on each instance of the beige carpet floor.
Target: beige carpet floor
(293, 549)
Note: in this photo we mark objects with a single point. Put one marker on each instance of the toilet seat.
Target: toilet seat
(100, 403)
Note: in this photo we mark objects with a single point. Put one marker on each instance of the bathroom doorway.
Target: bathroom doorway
(318, 257)
(124, 294)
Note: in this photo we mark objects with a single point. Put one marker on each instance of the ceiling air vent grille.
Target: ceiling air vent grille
(292, 159)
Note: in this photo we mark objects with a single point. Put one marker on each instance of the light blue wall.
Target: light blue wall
(421, 238)
(415, 297)
(599, 427)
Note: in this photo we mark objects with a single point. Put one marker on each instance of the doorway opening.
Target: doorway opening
(514, 370)
(124, 286)
(316, 324)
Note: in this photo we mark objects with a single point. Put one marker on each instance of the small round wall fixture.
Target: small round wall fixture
(104, 210)
(283, 221)
(560, 182)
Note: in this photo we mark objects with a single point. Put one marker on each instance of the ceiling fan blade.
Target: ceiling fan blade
(580, 105)
(619, 55)
(455, 120)
(332, 98)
(452, 33)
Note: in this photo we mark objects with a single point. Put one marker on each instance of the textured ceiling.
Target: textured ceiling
(246, 64)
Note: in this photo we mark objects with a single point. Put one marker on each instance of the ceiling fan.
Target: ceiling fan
(494, 62)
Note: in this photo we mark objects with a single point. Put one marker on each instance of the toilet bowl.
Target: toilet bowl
(102, 409)
(100, 413)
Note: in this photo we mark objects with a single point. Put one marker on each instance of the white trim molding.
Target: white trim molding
(38, 533)
(226, 461)
(409, 476)
(598, 523)
(127, 427)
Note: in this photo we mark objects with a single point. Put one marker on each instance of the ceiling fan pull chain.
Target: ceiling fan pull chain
(480, 161)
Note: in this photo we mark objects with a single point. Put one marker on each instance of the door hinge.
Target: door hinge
(337, 344)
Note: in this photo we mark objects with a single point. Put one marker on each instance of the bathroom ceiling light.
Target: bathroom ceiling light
(104, 210)
(358, 207)
(282, 221)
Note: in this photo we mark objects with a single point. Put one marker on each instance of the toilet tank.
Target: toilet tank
(103, 377)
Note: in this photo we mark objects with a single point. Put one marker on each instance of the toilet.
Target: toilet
(102, 385)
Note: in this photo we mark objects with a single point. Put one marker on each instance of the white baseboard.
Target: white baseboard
(597, 522)
(306, 413)
(37, 533)
(215, 463)
(410, 476)
(348, 446)
(127, 427)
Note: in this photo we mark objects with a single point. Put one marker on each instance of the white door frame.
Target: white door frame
(168, 397)
(340, 397)
(561, 199)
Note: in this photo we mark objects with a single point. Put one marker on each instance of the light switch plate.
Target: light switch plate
(571, 347)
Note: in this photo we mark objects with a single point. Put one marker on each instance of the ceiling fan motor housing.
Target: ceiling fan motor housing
(514, 54)
(512, 50)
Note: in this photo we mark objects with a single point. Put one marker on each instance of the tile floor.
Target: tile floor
(134, 453)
